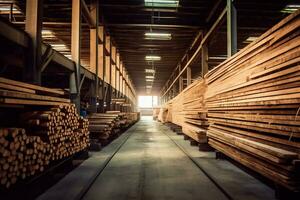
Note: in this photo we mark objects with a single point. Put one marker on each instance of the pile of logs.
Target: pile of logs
(253, 104)
(104, 126)
(59, 126)
(46, 128)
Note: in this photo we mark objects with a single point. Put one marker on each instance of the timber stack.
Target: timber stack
(155, 113)
(195, 121)
(44, 128)
(253, 102)
(104, 126)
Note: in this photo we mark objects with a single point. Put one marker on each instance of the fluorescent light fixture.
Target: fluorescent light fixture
(149, 80)
(7, 8)
(290, 8)
(47, 32)
(150, 71)
(162, 3)
(158, 36)
(149, 77)
(152, 58)
(148, 86)
(250, 39)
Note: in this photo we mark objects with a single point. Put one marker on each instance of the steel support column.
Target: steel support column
(204, 60)
(188, 76)
(75, 51)
(231, 29)
(33, 26)
(94, 41)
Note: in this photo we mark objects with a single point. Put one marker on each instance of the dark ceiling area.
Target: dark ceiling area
(127, 21)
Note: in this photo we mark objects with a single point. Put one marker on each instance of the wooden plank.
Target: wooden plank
(30, 102)
(21, 95)
(16, 88)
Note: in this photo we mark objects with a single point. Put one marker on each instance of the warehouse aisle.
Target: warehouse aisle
(150, 166)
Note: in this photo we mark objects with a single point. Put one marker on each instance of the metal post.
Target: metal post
(188, 76)
(75, 51)
(204, 60)
(231, 29)
(33, 26)
(94, 44)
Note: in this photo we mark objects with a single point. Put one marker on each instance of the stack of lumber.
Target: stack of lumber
(165, 113)
(132, 118)
(253, 102)
(105, 125)
(175, 111)
(155, 113)
(46, 128)
(194, 123)
(118, 101)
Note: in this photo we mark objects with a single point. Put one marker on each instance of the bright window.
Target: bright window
(148, 101)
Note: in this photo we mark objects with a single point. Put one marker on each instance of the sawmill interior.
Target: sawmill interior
(150, 99)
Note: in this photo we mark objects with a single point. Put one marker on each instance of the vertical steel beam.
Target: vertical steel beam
(94, 44)
(75, 51)
(180, 81)
(33, 26)
(204, 60)
(231, 29)
(188, 76)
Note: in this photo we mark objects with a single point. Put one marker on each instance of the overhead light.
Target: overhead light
(149, 77)
(152, 58)
(149, 80)
(158, 36)
(150, 71)
(148, 86)
(7, 8)
(250, 39)
(162, 3)
(290, 8)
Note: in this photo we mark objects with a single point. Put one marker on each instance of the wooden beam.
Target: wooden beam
(89, 16)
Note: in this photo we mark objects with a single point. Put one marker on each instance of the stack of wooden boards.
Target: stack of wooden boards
(155, 113)
(194, 119)
(104, 126)
(118, 101)
(48, 129)
(252, 104)
(165, 113)
(188, 111)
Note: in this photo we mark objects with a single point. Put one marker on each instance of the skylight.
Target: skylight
(162, 3)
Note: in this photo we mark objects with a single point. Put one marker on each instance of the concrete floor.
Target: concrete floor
(150, 166)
